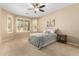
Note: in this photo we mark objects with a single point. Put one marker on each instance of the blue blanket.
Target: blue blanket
(39, 41)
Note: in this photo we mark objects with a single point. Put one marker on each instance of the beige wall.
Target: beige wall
(67, 20)
(0, 26)
(4, 35)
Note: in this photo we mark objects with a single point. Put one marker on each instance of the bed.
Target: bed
(42, 39)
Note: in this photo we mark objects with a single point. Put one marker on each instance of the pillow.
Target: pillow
(50, 30)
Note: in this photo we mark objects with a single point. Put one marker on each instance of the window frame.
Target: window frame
(24, 20)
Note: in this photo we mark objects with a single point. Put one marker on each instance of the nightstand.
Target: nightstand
(62, 38)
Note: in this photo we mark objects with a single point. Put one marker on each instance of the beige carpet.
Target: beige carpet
(21, 47)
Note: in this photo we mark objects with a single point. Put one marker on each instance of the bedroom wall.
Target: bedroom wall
(3, 30)
(66, 20)
(0, 26)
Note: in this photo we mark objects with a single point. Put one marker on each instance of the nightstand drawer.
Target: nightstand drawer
(62, 38)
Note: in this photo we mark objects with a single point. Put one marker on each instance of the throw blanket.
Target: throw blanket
(41, 39)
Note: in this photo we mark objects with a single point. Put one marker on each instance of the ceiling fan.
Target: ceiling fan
(37, 7)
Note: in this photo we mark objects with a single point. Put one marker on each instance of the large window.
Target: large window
(9, 24)
(22, 25)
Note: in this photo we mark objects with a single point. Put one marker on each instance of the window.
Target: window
(34, 25)
(22, 25)
(9, 24)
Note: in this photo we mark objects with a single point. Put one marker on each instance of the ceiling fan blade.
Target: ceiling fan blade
(42, 6)
(33, 4)
(29, 8)
(41, 10)
(26, 13)
(37, 4)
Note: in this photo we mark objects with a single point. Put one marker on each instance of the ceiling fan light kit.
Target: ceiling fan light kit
(37, 7)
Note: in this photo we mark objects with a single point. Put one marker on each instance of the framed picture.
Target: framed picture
(9, 23)
(51, 23)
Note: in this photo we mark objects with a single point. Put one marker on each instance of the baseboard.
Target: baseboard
(74, 44)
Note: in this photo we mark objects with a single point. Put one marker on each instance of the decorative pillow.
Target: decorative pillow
(50, 30)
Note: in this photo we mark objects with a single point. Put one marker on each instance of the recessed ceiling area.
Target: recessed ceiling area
(22, 8)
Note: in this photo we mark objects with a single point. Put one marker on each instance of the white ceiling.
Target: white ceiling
(22, 8)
